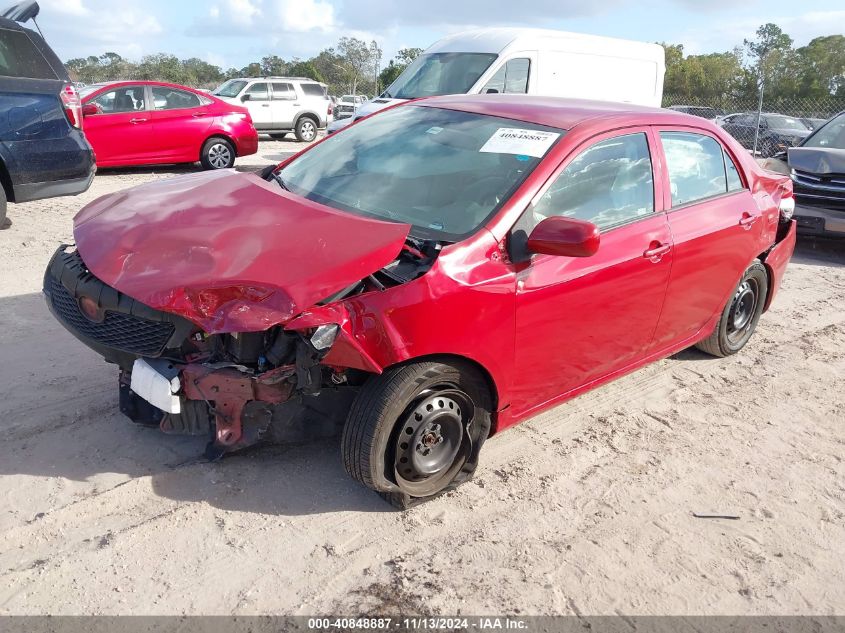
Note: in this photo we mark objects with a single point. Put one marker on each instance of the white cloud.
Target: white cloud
(67, 7)
(306, 15)
(801, 28)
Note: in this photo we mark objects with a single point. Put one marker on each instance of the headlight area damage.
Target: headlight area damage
(238, 325)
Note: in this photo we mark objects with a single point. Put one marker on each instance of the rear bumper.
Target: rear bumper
(819, 221)
(53, 189)
(246, 143)
(778, 258)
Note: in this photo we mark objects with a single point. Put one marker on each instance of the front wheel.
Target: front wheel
(306, 129)
(217, 153)
(416, 430)
(740, 315)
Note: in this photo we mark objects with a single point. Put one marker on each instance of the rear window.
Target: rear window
(19, 57)
(315, 90)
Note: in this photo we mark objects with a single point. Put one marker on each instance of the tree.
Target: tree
(407, 55)
(299, 68)
(770, 54)
(358, 61)
(274, 66)
(390, 73)
(822, 66)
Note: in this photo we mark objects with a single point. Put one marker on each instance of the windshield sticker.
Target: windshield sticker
(511, 140)
(434, 130)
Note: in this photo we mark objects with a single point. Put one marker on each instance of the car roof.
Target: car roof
(558, 112)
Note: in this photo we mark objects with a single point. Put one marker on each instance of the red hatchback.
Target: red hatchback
(450, 267)
(151, 123)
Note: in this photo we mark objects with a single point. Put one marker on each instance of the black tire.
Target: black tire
(306, 129)
(447, 407)
(741, 314)
(5, 222)
(279, 136)
(217, 153)
(768, 149)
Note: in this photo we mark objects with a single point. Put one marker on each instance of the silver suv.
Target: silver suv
(279, 105)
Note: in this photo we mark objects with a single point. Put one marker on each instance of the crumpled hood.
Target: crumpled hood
(818, 160)
(227, 250)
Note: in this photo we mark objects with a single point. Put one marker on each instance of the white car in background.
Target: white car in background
(279, 105)
(348, 105)
(529, 61)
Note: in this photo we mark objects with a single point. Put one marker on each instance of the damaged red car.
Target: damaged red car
(443, 270)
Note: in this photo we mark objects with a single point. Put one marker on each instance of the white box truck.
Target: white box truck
(529, 61)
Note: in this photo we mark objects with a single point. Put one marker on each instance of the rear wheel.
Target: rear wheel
(416, 430)
(306, 129)
(741, 314)
(217, 153)
(5, 222)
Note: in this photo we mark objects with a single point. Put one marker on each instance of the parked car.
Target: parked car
(151, 123)
(279, 105)
(348, 105)
(43, 152)
(812, 123)
(528, 61)
(817, 168)
(776, 133)
(711, 114)
(456, 264)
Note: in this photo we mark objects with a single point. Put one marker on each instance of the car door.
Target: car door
(181, 121)
(256, 98)
(119, 126)
(716, 225)
(581, 319)
(284, 103)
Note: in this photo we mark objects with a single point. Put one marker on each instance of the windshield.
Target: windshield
(443, 171)
(786, 123)
(831, 134)
(231, 88)
(437, 74)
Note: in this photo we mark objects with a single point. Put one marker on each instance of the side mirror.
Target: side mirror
(90, 108)
(492, 91)
(564, 236)
(245, 98)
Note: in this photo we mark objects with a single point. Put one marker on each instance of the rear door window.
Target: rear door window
(173, 99)
(734, 180)
(283, 92)
(19, 57)
(696, 166)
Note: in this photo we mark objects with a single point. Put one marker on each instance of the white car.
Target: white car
(279, 105)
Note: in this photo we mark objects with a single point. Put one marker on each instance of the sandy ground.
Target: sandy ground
(586, 509)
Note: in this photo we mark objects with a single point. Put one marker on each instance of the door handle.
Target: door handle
(748, 219)
(265, 105)
(656, 251)
(295, 105)
(198, 114)
(136, 121)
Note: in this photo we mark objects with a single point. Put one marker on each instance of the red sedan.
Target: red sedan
(151, 123)
(450, 267)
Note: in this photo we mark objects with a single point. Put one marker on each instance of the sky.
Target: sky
(233, 33)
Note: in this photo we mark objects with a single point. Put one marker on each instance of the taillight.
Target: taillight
(329, 111)
(786, 206)
(72, 104)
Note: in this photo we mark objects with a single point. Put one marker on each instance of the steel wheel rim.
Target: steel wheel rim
(307, 130)
(743, 309)
(432, 442)
(219, 156)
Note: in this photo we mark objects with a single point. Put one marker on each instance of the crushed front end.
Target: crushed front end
(174, 375)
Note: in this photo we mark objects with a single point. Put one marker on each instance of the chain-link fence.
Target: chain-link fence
(782, 122)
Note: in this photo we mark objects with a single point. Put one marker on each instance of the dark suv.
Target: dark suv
(43, 152)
